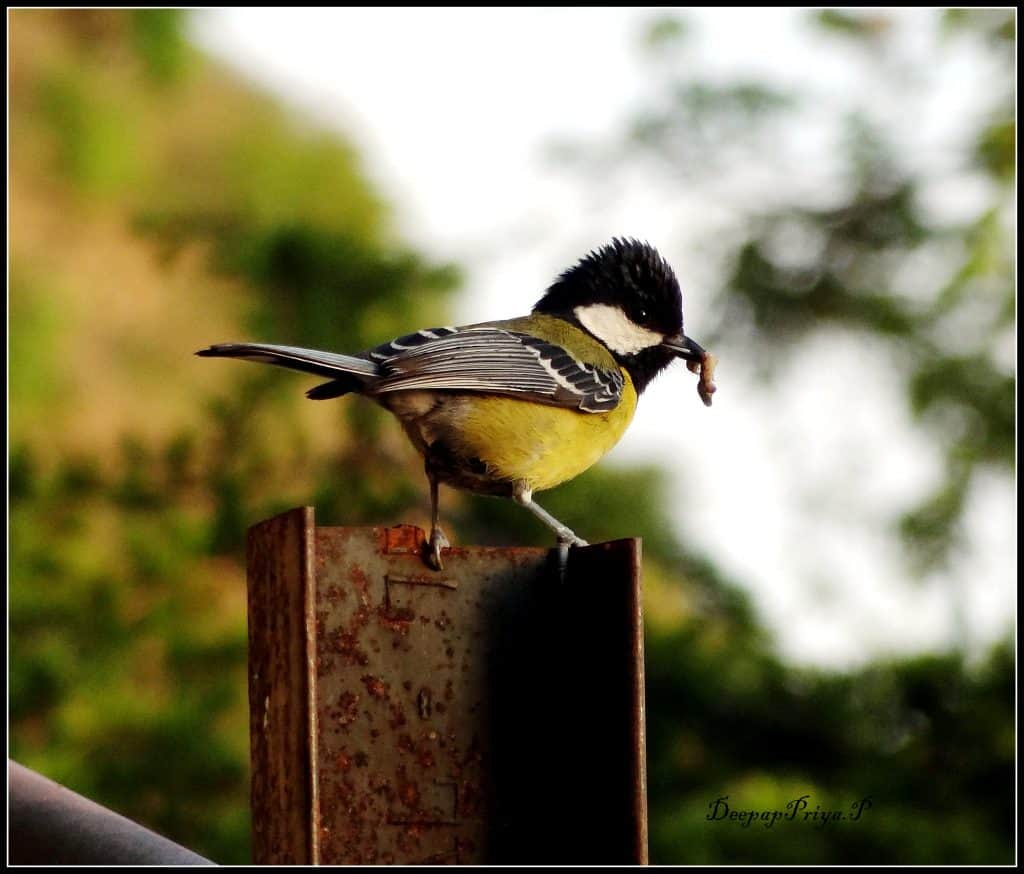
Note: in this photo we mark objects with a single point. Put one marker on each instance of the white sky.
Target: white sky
(452, 110)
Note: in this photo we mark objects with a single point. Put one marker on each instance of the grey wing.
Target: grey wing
(495, 361)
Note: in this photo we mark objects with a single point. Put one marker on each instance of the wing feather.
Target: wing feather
(495, 361)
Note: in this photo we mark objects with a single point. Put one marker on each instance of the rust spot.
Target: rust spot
(346, 711)
(358, 577)
(397, 619)
(409, 794)
(345, 641)
(397, 716)
(375, 686)
(347, 646)
(403, 539)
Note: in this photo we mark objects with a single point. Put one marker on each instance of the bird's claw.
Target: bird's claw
(569, 538)
(435, 543)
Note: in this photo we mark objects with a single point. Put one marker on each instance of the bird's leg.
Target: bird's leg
(437, 541)
(523, 495)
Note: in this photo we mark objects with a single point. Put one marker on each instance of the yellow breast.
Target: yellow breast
(538, 444)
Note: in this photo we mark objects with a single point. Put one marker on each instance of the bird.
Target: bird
(513, 407)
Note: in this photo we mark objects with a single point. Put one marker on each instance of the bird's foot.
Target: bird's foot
(523, 496)
(568, 537)
(435, 543)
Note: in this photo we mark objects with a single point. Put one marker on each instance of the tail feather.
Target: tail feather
(344, 370)
(335, 388)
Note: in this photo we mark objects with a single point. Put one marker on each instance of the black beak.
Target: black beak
(684, 347)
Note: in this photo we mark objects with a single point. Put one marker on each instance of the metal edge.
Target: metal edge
(309, 581)
(640, 719)
(251, 536)
(297, 523)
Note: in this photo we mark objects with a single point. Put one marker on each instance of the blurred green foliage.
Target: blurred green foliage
(127, 604)
(127, 601)
(852, 277)
(37, 382)
(96, 137)
(929, 742)
(665, 32)
(857, 26)
(159, 39)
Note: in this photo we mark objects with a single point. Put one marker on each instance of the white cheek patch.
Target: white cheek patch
(615, 329)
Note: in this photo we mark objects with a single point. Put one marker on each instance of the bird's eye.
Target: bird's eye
(642, 315)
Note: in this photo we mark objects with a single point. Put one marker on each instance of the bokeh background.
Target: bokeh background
(829, 552)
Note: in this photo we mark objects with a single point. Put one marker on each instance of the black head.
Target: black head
(627, 296)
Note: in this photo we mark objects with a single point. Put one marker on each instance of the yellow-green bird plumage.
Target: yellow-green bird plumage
(546, 448)
(517, 441)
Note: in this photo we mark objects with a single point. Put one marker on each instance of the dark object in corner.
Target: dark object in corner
(51, 825)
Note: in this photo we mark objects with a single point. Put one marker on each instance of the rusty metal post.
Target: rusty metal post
(490, 713)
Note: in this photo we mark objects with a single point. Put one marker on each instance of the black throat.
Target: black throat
(645, 365)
